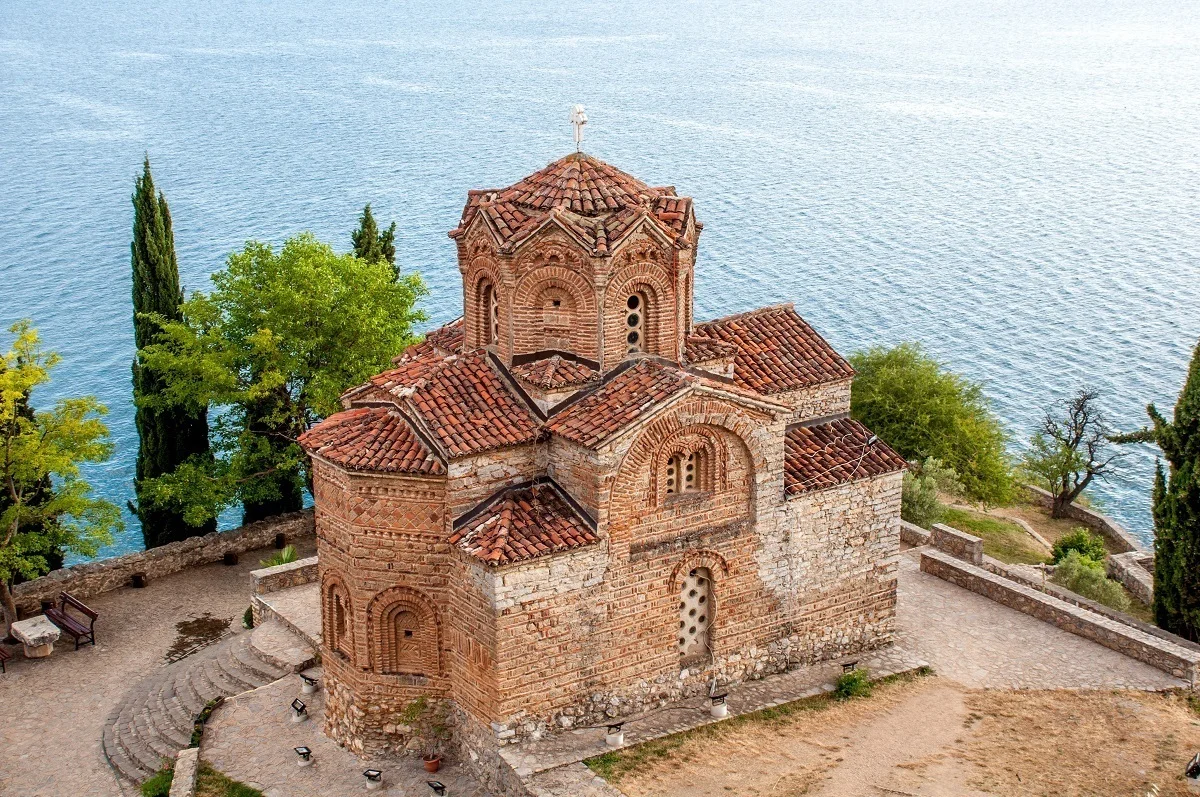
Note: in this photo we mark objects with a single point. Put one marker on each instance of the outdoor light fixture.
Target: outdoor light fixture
(304, 756)
(849, 667)
(374, 779)
(719, 708)
(615, 736)
(1192, 773)
(310, 684)
(437, 788)
(299, 710)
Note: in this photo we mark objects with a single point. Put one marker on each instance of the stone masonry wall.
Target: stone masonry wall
(94, 578)
(822, 401)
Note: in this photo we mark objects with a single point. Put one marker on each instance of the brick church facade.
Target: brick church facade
(576, 502)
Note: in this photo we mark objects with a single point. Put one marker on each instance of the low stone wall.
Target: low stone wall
(1127, 568)
(958, 543)
(1175, 659)
(94, 578)
(914, 535)
(1119, 540)
(183, 782)
(293, 574)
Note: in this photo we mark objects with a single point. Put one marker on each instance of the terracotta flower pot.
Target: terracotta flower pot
(432, 763)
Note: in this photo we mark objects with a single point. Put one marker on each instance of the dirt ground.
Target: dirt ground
(932, 738)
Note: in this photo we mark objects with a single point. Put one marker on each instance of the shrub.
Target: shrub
(919, 502)
(1087, 543)
(159, 784)
(853, 684)
(248, 617)
(1085, 576)
(285, 556)
(922, 410)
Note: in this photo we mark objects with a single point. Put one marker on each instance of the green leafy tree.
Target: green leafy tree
(1176, 509)
(922, 410)
(1070, 450)
(47, 505)
(272, 347)
(372, 245)
(920, 496)
(168, 435)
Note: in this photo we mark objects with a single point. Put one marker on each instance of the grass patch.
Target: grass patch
(158, 784)
(1002, 539)
(211, 783)
(852, 684)
(615, 765)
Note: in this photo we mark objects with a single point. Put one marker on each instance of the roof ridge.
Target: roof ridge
(749, 313)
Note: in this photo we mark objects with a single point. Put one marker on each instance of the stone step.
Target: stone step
(121, 763)
(234, 673)
(281, 648)
(247, 659)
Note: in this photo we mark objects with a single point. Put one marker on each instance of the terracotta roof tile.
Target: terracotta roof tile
(816, 457)
(523, 523)
(374, 439)
(700, 349)
(777, 350)
(618, 402)
(447, 339)
(554, 372)
(596, 202)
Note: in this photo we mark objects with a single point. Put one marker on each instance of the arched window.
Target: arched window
(557, 319)
(337, 607)
(490, 310)
(405, 634)
(405, 642)
(635, 322)
(686, 473)
(696, 609)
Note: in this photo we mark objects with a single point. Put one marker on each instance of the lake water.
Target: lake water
(1014, 184)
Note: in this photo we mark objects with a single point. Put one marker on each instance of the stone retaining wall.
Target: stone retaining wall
(914, 535)
(1127, 568)
(1175, 659)
(1120, 540)
(183, 782)
(93, 578)
(958, 543)
(293, 574)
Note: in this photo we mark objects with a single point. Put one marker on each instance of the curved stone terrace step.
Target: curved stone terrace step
(154, 720)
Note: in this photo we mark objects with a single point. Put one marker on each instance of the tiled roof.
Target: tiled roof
(461, 399)
(777, 350)
(554, 372)
(447, 339)
(596, 202)
(523, 523)
(828, 454)
(699, 349)
(618, 402)
(371, 438)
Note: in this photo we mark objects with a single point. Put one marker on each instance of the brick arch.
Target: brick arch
(652, 280)
(482, 270)
(716, 564)
(686, 441)
(710, 601)
(389, 614)
(337, 616)
(528, 311)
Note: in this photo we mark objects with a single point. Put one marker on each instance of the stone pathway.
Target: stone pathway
(981, 644)
(251, 738)
(298, 607)
(53, 710)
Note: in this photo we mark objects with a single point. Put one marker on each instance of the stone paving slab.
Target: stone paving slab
(280, 647)
(573, 746)
(251, 738)
(983, 644)
(298, 607)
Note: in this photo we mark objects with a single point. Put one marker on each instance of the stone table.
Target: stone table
(38, 634)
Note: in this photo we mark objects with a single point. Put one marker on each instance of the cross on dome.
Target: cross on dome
(578, 120)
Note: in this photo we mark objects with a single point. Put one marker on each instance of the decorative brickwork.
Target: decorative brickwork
(571, 506)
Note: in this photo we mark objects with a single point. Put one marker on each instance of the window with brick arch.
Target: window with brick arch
(686, 473)
(407, 641)
(489, 306)
(636, 310)
(696, 607)
(339, 606)
(557, 319)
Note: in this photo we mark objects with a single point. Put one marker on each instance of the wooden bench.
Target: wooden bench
(70, 624)
(4, 656)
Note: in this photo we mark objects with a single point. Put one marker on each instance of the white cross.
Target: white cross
(578, 120)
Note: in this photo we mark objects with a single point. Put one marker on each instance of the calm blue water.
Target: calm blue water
(1015, 184)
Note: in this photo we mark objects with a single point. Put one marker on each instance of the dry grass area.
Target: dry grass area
(1039, 518)
(928, 737)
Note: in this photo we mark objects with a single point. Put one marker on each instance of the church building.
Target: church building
(576, 502)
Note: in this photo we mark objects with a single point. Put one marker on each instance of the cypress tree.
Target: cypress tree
(167, 435)
(1176, 506)
(372, 245)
